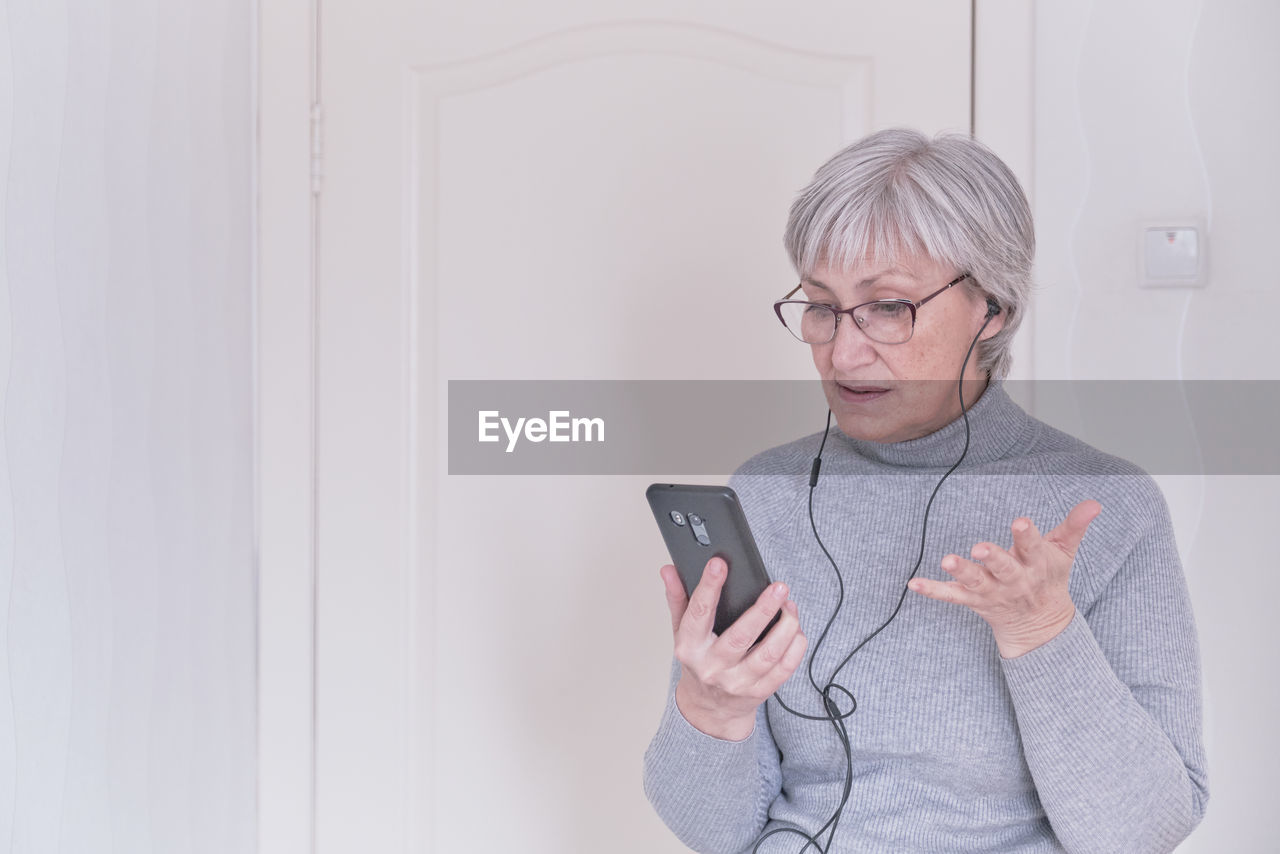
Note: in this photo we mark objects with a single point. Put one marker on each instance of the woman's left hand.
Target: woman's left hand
(1021, 593)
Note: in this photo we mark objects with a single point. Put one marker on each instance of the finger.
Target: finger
(677, 599)
(1068, 535)
(1026, 538)
(775, 678)
(966, 572)
(700, 617)
(944, 591)
(739, 637)
(770, 651)
(999, 564)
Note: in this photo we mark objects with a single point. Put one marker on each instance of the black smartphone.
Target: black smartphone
(702, 522)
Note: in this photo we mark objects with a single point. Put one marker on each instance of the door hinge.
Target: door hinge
(317, 148)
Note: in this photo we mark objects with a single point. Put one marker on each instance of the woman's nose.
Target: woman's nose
(851, 346)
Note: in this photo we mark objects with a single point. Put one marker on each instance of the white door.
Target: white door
(546, 191)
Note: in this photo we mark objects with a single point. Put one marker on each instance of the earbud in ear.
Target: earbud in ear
(993, 307)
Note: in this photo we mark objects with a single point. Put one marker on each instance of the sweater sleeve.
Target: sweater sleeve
(713, 794)
(1109, 711)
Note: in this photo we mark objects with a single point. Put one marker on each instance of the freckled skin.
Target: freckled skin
(945, 327)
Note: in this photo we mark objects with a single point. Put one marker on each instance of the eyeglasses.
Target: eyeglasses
(885, 321)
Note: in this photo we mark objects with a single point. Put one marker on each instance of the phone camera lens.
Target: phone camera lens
(677, 517)
(699, 530)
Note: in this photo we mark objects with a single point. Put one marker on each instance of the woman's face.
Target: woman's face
(894, 392)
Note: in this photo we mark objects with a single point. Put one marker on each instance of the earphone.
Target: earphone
(834, 714)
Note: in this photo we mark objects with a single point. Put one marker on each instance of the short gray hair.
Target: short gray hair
(950, 198)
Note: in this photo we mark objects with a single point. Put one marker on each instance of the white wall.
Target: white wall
(127, 610)
(1171, 109)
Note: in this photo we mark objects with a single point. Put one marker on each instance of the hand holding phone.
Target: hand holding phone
(725, 675)
(724, 679)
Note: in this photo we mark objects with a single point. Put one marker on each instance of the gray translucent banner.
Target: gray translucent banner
(710, 427)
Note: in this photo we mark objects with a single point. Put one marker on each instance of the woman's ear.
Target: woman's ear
(994, 318)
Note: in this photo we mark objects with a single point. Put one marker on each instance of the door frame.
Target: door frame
(284, 356)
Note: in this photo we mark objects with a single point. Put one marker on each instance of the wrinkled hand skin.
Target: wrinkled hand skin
(1020, 592)
(724, 678)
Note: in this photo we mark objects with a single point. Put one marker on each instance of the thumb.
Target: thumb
(1068, 535)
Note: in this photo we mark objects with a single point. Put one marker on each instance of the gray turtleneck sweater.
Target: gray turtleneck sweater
(1089, 743)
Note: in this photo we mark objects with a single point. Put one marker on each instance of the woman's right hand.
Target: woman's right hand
(723, 678)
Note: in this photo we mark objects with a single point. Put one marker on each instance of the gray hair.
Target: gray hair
(951, 199)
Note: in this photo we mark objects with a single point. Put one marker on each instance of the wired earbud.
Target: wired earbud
(834, 714)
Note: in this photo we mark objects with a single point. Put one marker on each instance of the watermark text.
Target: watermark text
(558, 426)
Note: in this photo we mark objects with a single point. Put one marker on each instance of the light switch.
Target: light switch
(1172, 256)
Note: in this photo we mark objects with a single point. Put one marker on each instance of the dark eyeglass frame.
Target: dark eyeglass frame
(912, 306)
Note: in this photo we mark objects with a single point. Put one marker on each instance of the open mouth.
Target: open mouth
(861, 392)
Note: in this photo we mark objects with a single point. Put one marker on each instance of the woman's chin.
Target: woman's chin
(881, 426)
(866, 427)
(864, 432)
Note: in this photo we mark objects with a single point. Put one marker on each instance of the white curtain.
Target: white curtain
(127, 582)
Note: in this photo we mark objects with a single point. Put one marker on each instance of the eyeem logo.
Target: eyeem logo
(558, 427)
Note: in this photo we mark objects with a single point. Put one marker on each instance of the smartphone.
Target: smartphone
(702, 522)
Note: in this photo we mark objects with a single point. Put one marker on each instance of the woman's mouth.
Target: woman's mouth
(861, 392)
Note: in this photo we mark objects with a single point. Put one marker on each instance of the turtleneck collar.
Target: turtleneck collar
(996, 424)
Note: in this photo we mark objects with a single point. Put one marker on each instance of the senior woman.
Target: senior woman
(944, 676)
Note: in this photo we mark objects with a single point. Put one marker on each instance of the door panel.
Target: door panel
(571, 193)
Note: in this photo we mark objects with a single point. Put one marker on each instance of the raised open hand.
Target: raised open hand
(1021, 593)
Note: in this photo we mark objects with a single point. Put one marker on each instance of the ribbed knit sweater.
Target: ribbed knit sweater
(1089, 743)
